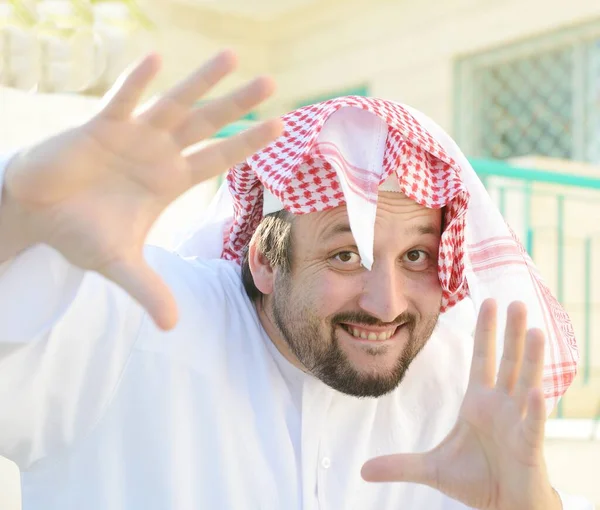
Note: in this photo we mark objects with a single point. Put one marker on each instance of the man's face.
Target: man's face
(358, 330)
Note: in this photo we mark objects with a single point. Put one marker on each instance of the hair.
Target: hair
(274, 240)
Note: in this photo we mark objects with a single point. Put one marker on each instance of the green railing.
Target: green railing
(486, 168)
(360, 90)
(504, 179)
(564, 190)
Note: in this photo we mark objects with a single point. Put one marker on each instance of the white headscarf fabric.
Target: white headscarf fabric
(344, 151)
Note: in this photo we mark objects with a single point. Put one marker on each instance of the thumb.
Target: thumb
(405, 467)
(144, 285)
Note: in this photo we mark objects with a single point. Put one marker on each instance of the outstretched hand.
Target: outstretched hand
(94, 192)
(493, 457)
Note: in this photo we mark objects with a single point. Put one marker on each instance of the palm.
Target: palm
(487, 444)
(94, 192)
(492, 459)
(108, 210)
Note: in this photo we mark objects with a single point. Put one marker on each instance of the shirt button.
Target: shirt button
(326, 462)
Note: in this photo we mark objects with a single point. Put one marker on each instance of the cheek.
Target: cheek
(334, 292)
(424, 289)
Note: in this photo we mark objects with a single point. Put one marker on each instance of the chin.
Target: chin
(373, 361)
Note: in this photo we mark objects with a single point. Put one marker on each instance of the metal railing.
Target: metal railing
(556, 193)
(508, 184)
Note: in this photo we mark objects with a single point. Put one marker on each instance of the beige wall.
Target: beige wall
(404, 50)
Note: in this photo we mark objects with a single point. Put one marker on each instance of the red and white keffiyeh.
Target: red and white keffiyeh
(344, 151)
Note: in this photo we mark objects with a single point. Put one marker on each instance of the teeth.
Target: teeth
(386, 335)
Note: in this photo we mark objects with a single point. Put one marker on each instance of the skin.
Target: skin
(312, 312)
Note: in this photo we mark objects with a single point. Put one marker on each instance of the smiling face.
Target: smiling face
(356, 330)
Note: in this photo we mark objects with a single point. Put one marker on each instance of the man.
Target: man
(325, 319)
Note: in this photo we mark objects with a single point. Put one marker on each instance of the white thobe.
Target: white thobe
(101, 410)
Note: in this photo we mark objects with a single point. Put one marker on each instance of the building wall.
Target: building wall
(403, 50)
(186, 37)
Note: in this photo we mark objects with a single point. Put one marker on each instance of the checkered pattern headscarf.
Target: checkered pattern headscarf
(307, 169)
(341, 152)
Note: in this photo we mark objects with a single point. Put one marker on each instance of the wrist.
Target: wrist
(556, 500)
(15, 231)
(551, 500)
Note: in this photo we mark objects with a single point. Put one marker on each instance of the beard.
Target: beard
(318, 348)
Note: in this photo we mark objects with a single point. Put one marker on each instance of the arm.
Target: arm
(65, 336)
(36, 283)
(61, 355)
(75, 210)
(13, 239)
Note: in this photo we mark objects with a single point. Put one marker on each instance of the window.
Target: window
(540, 97)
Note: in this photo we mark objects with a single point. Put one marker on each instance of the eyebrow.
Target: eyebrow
(424, 230)
(336, 230)
(344, 228)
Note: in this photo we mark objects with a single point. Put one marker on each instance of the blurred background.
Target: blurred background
(516, 82)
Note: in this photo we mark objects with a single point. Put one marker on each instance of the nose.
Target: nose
(383, 294)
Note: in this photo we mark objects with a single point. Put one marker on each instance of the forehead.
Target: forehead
(395, 212)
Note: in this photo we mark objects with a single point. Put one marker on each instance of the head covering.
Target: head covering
(343, 151)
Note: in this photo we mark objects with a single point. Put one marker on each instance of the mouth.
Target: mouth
(371, 334)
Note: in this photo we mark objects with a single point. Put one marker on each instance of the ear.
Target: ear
(261, 269)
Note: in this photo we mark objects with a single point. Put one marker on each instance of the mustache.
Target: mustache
(362, 318)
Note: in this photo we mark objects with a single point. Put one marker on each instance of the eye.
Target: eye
(347, 258)
(416, 257)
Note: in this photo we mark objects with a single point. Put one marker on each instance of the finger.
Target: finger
(532, 367)
(172, 108)
(409, 467)
(514, 344)
(483, 365)
(143, 284)
(534, 423)
(218, 157)
(209, 118)
(124, 96)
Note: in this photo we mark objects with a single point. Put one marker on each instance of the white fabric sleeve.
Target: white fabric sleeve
(35, 288)
(65, 336)
(570, 502)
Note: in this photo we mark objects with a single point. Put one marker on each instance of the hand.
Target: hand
(493, 457)
(94, 192)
